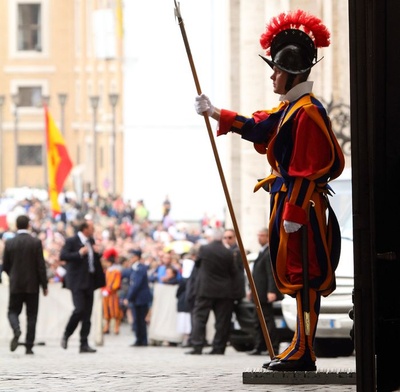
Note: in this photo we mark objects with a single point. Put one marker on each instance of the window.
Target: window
(30, 155)
(32, 93)
(29, 27)
(30, 96)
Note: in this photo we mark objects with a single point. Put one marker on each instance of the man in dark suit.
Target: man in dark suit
(267, 293)
(139, 297)
(215, 276)
(84, 275)
(24, 264)
(239, 285)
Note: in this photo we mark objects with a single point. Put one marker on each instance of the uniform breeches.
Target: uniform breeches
(111, 308)
(286, 249)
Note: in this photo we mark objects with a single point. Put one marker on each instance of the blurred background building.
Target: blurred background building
(66, 54)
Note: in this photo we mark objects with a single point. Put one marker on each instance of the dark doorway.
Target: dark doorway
(375, 106)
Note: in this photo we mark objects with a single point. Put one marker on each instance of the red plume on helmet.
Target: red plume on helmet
(292, 39)
(300, 20)
(110, 254)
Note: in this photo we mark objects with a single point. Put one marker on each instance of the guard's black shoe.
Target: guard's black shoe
(301, 364)
(29, 351)
(14, 341)
(87, 349)
(266, 364)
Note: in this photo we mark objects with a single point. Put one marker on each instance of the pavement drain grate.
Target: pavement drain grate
(321, 377)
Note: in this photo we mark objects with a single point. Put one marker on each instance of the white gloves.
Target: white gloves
(291, 227)
(203, 104)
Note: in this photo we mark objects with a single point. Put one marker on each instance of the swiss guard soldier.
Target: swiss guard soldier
(304, 157)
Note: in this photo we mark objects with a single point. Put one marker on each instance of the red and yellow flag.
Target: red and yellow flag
(59, 163)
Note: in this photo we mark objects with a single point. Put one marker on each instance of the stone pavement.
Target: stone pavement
(117, 367)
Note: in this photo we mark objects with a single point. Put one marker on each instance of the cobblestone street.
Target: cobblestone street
(118, 367)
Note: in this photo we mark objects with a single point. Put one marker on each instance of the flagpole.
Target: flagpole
(45, 161)
(46, 155)
(45, 103)
(256, 299)
(16, 101)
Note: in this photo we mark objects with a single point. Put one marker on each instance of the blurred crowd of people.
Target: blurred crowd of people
(118, 226)
(201, 259)
(121, 230)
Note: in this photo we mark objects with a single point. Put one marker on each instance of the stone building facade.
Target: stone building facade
(68, 54)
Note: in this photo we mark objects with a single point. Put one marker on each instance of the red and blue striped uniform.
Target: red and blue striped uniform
(304, 156)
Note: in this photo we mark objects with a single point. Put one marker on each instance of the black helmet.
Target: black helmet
(292, 51)
(292, 40)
